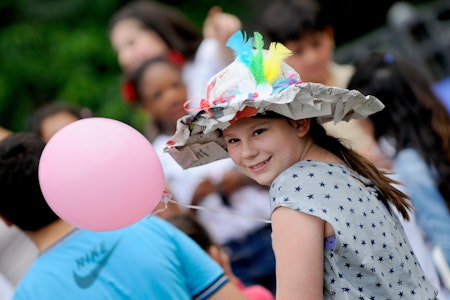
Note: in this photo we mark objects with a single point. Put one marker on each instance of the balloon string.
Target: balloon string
(159, 210)
(167, 197)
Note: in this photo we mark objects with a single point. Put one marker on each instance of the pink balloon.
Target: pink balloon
(100, 174)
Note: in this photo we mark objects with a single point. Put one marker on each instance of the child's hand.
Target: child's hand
(219, 25)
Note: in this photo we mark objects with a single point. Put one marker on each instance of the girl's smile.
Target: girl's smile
(264, 147)
(260, 166)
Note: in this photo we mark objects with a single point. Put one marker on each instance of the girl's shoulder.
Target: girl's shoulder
(327, 175)
(312, 170)
(313, 167)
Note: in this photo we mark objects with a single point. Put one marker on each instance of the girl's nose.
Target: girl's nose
(249, 149)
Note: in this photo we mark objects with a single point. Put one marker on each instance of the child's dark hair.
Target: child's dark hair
(53, 108)
(170, 24)
(363, 166)
(413, 115)
(289, 20)
(22, 201)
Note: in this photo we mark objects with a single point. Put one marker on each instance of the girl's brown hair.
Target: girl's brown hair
(363, 166)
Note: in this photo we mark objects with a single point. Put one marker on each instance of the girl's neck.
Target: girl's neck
(315, 152)
(50, 234)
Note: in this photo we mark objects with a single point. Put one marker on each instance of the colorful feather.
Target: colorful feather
(272, 62)
(243, 48)
(256, 61)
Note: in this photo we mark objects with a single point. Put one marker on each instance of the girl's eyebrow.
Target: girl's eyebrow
(252, 127)
(225, 136)
(260, 124)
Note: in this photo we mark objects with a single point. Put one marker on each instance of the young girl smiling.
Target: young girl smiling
(334, 233)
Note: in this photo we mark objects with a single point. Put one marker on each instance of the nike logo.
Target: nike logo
(86, 281)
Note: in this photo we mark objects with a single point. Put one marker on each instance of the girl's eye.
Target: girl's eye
(232, 141)
(157, 95)
(178, 83)
(258, 131)
(131, 42)
(317, 41)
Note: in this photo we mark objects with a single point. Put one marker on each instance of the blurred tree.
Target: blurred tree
(59, 50)
(49, 53)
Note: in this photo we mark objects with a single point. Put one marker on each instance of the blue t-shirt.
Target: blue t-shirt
(148, 260)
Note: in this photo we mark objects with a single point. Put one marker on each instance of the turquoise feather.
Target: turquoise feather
(243, 48)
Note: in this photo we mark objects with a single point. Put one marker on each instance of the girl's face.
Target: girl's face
(263, 148)
(163, 93)
(134, 44)
(311, 55)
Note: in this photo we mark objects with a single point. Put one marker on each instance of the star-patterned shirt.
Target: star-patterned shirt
(372, 257)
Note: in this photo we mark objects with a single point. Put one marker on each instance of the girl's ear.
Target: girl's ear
(302, 126)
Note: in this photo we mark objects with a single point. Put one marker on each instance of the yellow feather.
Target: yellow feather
(272, 62)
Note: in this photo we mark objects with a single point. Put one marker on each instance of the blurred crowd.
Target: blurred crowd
(166, 63)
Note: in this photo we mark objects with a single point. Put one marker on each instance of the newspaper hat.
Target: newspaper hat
(257, 82)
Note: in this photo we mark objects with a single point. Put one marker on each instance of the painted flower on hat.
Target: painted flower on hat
(248, 89)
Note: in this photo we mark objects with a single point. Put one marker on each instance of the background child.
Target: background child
(149, 259)
(159, 90)
(302, 27)
(193, 228)
(17, 251)
(50, 118)
(333, 231)
(144, 29)
(414, 130)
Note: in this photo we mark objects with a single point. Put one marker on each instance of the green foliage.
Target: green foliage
(59, 50)
(47, 60)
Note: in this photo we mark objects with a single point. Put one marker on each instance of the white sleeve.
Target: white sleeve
(207, 63)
